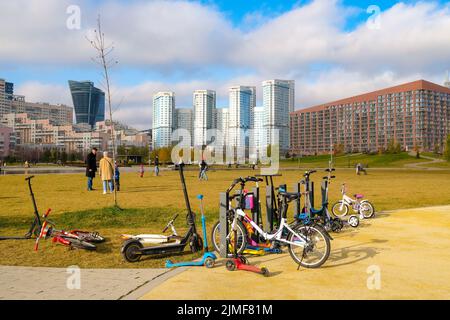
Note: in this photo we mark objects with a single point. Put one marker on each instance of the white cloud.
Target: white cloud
(310, 43)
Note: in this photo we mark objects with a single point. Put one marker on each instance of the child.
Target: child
(117, 176)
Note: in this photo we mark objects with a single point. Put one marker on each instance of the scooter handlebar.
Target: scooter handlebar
(29, 178)
(170, 222)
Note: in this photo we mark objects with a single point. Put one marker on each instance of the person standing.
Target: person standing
(91, 167)
(107, 173)
(156, 166)
(117, 176)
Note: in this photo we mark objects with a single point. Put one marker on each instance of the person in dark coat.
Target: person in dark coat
(91, 167)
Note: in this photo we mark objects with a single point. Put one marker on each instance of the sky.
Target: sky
(332, 49)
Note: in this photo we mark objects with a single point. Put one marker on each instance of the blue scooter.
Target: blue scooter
(209, 258)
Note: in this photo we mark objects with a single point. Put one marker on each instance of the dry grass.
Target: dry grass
(150, 201)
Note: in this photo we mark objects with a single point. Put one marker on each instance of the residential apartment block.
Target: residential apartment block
(415, 114)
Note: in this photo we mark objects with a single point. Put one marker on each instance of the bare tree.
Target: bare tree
(106, 62)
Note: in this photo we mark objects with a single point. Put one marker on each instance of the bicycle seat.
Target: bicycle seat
(289, 195)
(359, 196)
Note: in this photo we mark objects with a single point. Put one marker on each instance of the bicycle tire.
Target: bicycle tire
(373, 210)
(336, 212)
(300, 260)
(215, 234)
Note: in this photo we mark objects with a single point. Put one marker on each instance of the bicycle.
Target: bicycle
(308, 245)
(364, 208)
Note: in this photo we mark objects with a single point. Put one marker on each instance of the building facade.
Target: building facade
(258, 131)
(184, 119)
(57, 114)
(163, 119)
(43, 134)
(88, 102)
(222, 121)
(415, 114)
(204, 102)
(6, 141)
(241, 111)
(278, 101)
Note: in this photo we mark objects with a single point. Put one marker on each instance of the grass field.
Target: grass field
(349, 161)
(149, 202)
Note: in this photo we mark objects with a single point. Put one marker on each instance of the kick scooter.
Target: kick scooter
(209, 258)
(133, 249)
(36, 225)
(239, 262)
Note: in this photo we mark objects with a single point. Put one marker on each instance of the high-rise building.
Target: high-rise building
(222, 121)
(163, 119)
(278, 99)
(88, 102)
(414, 114)
(241, 110)
(258, 131)
(5, 105)
(204, 102)
(184, 120)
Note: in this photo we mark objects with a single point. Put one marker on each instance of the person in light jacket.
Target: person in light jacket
(107, 173)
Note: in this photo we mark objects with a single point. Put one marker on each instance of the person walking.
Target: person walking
(156, 166)
(117, 176)
(91, 168)
(203, 167)
(107, 173)
(141, 170)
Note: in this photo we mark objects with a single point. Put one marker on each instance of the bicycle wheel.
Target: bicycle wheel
(340, 209)
(315, 251)
(241, 236)
(367, 210)
(80, 244)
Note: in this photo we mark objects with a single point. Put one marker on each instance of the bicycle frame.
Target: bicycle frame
(276, 236)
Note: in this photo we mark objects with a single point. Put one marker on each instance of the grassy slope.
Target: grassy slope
(151, 201)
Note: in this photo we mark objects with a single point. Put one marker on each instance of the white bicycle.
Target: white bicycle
(309, 245)
(363, 207)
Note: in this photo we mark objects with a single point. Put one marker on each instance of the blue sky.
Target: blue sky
(325, 45)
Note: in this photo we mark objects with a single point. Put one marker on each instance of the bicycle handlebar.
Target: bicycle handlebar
(242, 181)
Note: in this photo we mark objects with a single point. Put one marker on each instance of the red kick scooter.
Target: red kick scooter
(238, 261)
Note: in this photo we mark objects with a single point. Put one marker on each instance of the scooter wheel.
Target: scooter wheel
(130, 251)
(209, 262)
(265, 272)
(230, 265)
(353, 221)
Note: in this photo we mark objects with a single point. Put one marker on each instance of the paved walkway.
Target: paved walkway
(397, 255)
(60, 283)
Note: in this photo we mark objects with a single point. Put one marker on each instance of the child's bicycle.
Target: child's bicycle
(73, 239)
(365, 209)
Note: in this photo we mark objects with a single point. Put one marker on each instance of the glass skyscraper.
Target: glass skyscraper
(88, 102)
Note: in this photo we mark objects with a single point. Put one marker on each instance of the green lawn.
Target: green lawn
(350, 161)
(150, 202)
